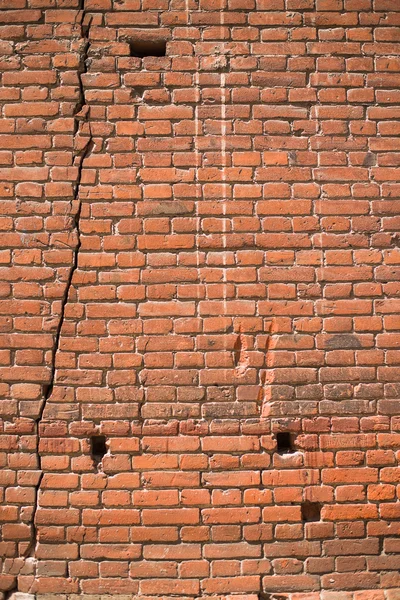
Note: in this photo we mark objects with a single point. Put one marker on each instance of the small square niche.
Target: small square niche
(98, 447)
(284, 442)
(311, 512)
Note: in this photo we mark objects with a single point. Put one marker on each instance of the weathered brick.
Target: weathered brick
(199, 252)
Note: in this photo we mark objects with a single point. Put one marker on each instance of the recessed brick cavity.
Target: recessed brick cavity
(284, 442)
(98, 448)
(311, 511)
(141, 48)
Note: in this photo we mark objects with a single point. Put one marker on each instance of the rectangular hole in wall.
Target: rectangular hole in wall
(98, 448)
(284, 442)
(146, 47)
(311, 512)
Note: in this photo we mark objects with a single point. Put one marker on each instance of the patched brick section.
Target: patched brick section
(199, 299)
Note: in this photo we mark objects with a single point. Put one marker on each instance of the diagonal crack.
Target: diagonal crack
(81, 115)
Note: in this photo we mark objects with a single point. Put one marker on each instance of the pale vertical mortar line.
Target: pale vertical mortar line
(223, 161)
(198, 159)
(317, 240)
(81, 155)
(198, 192)
(198, 164)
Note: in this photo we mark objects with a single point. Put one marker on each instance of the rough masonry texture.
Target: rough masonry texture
(200, 299)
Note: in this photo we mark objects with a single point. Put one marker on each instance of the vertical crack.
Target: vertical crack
(81, 115)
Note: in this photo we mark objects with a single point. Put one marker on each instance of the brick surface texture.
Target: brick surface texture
(199, 251)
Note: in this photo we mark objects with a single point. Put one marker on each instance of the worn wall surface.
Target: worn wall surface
(200, 251)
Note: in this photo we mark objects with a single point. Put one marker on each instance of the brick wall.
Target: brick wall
(200, 298)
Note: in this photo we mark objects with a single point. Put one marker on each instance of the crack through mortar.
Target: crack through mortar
(81, 114)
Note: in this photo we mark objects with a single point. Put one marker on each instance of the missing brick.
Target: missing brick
(145, 47)
(98, 448)
(284, 442)
(311, 512)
